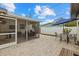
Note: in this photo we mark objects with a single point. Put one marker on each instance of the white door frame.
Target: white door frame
(16, 31)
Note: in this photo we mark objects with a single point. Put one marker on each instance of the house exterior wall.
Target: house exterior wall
(27, 25)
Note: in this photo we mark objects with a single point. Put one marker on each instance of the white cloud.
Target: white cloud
(47, 11)
(9, 6)
(23, 14)
(41, 17)
(37, 9)
(68, 11)
(44, 11)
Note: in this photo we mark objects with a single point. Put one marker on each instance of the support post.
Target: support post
(26, 30)
(63, 28)
(38, 30)
(77, 30)
(16, 31)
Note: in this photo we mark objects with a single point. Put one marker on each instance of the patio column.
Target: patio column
(26, 30)
(38, 30)
(77, 30)
(16, 31)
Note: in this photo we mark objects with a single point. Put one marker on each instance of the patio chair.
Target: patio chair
(64, 37)
(77, 43)
(73, 37)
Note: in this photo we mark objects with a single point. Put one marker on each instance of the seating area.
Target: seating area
(68, 37)
(31, 33)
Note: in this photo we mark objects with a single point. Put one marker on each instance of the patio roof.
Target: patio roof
(18, 17)
(74, 14)
(62, 21)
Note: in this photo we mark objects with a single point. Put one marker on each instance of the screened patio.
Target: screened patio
(16, 29)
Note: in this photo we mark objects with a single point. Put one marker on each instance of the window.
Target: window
(11, 26)
(22, 26)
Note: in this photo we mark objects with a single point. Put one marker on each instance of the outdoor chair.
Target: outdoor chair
(73, 37)
(77, 43)
(31, 33)
(64, 37)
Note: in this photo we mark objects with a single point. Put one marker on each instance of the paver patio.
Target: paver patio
(43, 46)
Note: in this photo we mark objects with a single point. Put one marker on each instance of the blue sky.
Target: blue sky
(44, 12)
